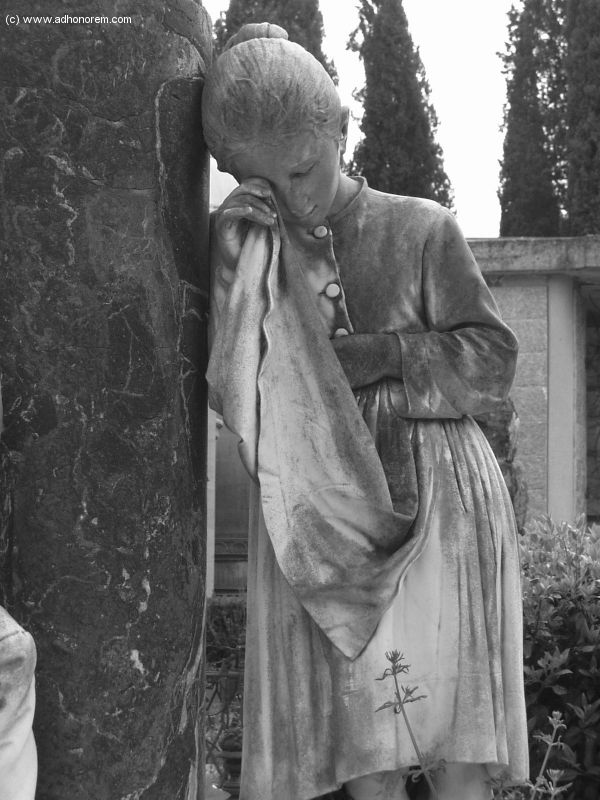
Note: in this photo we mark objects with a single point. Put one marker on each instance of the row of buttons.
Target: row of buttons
(332, 290)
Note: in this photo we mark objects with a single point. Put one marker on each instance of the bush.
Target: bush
(225, 647)
(561, 610)
(226, 631)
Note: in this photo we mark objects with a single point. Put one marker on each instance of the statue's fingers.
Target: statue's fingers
(262, 215)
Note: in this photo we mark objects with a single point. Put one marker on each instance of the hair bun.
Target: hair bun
(256, 30)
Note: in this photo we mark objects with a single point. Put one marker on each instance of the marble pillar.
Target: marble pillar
(103, 304)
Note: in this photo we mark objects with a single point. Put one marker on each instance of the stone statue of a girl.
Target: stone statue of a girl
(353, 338)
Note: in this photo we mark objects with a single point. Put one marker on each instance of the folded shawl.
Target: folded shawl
(340, 541)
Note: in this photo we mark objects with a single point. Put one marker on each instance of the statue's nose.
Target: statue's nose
(297, 202)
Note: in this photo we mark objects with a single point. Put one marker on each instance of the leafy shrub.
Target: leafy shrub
(225, 647)
(226, 631)
(561, 610)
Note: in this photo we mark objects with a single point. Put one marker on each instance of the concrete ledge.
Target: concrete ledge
(575, 256)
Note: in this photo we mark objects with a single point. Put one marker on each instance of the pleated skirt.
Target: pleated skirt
(310, 714)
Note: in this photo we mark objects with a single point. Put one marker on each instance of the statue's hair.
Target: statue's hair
(261, 90)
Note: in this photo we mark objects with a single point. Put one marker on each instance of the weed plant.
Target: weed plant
(403, 695)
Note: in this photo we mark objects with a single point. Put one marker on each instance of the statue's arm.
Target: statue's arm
(465, 363)
(368, 357)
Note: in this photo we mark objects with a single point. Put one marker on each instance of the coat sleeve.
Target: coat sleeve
(465, 363)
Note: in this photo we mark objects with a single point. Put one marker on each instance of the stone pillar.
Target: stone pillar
(103, 200)
(566, 400)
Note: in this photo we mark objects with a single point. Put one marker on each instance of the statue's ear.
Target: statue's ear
(343, 135)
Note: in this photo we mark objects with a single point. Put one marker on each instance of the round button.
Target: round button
(320, 232)
(340, 332)
(333, 290)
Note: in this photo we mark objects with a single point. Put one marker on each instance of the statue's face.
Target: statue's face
(304, 173)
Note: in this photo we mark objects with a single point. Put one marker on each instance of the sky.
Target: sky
(459, 42)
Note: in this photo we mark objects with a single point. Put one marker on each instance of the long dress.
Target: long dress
(310, 720)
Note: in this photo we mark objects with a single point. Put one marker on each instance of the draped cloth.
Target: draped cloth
(341, 539)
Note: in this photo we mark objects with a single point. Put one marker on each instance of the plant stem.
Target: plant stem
(534, 790)
(434, 793)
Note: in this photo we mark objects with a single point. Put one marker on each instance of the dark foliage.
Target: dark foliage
(561, 604)
(583, 116)
(528, 200)
(226, 632)
(552, 119)
(398, 152)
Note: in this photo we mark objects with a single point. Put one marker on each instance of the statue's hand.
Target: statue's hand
(248, 203)
(368, 357)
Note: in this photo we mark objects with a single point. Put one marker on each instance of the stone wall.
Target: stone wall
(524, 306)
(541, 285)
(103, 200)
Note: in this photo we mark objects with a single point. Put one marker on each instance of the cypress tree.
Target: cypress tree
(552, 90)
(529, 204)
(583, 116)
(301, 19)
(398, 152)
(556, 44)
